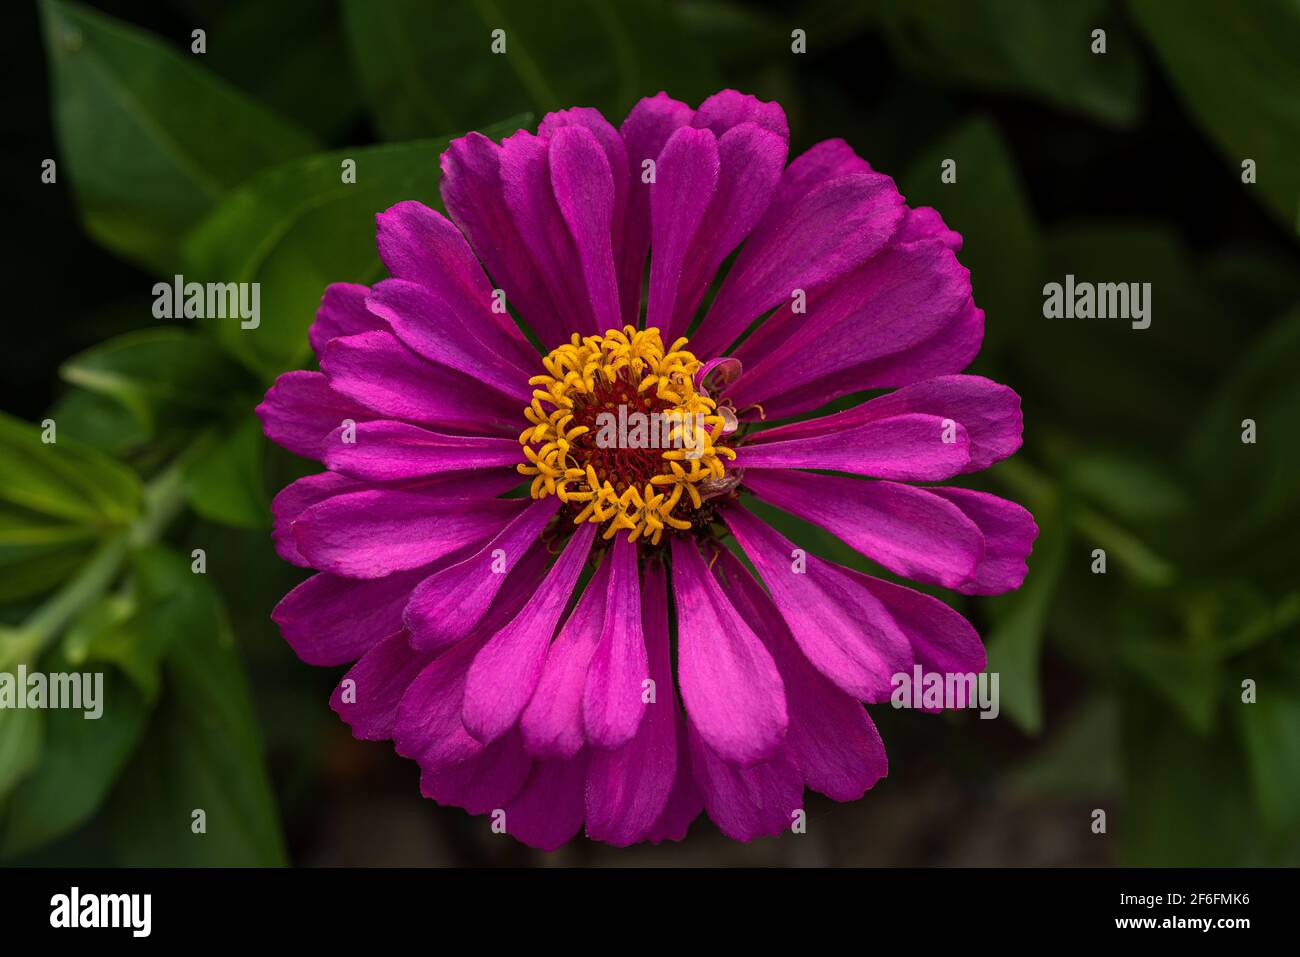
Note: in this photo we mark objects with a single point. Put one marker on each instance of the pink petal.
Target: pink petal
(434, 329)
(300, 409)
(746, 803)
(833, 229)
(342, 312)
(552, 722)
(730, 685)
(473, 193)
(988, 413)
(369, 693)
(371, 533)
(908, 530)
(377, 371)
(1009, 532)
(548, 811)
(628, 789)
(685, 803)
(419, 244)
(728, 109)
(612, 708)
(840, 626)
(584, 189)
(294, 499)
(644, 133)
(505, 672)
(448, 606)
(484, 783)
(831, 740)
(686, 177)
(385, 451)
(911, 447)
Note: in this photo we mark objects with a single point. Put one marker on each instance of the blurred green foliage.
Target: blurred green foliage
(1123, 166)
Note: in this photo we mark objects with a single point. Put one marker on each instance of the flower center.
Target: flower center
(620, 434)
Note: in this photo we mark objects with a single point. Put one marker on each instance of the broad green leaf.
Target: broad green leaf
(298, 228)
(1037, 48)
(987, 205)
(161, 603)
(1015, 643)
(427, 68)
(1235, 65)
(1273, 750)
(21, 737)
(225, 484)
(203, 752)
(98, 421)
(63, 479)
(1127, 486)
(163, 374)
(149, 139)
(80, 760)
(30, 570)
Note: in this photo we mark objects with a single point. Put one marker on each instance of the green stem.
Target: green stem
(163, 499)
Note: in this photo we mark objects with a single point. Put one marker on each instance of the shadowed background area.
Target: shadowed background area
(1120, 691)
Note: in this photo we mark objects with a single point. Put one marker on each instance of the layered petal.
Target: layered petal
(612, 700)
(628, 788)
(329, 620)
(433, 328)
(686, 178)
(831, 740)
(891, 303)
(294, 499)
(385, 450)
(474, 195)
(988, 413)
(1009, 532)
(483, 783)
(730, 685)
(583, 183)
(842, 628)
(911, 447)
(547, 812)
(552, 721)
(300, 409)
(421, 245)
(908, 530)
(746, 803)
(374, 532)
(833, 229)
(342, 312)
(377, 371)
(369, 693)
(505, 672)
(644, 132)
(450, 605)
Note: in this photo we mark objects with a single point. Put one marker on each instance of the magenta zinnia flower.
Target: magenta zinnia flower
(478, 648)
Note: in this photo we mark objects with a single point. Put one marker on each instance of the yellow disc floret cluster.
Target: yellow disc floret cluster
(642, 480)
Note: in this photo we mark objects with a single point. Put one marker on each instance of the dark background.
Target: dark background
(1120, 691)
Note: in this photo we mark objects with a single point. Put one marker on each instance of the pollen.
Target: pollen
(620, 434)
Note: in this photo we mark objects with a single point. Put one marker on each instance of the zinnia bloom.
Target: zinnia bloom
(515, 601)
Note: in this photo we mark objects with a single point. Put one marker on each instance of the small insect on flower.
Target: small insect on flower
(556, 624)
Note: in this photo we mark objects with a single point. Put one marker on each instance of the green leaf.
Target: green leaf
(1268, 727)
(30, 570)
(298, 228)
(160, 375)
(1188, 676)
(427, 68)
(225, 484)
(163, 602)
(987, 205)
(62, 479)
(1235, 65)
(203, 752)
(98, 421)
(1015, 643)
(149, 140)
(1132, 488)
(79, 763)
(1038, 48)
(21, 737)
(1081, 760)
